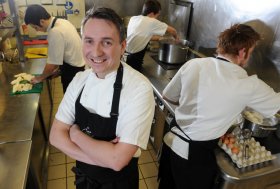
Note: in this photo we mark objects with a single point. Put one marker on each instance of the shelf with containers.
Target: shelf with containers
(10, 26)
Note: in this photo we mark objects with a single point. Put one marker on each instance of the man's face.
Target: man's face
(37, 28)
(101, 46)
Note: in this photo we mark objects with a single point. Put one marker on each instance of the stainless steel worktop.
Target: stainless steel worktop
(19, 127)
(159, 79)
(17, 113)
(14, 162)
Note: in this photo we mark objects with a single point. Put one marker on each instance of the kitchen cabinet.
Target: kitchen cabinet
(14, 161)
(158, 126)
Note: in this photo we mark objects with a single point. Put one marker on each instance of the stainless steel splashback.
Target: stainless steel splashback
(122, 7)
(212, 17)
(179, 17)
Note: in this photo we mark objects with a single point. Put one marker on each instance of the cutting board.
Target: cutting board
(37, 88)
(36, 52)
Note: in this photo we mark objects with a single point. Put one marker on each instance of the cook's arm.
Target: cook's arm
(173, 32)
(60, 138)
(49, 70)
(107, 154)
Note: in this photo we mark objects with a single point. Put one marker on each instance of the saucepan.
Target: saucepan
(172, 51)
(175, 52)
(258, 124)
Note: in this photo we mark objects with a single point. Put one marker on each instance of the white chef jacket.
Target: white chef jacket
(140, 30)
(64, 44)
(136, 108)
(212, 93)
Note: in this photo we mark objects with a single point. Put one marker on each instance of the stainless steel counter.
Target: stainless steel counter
(20, 126)
(14, 162)
(159, 78)
(17, 113)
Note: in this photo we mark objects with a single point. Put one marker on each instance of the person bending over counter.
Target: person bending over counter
(64, 45)
(210, 93)
(104, 118)
(141, 29)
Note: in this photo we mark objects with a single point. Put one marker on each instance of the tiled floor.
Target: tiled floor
(60, 175)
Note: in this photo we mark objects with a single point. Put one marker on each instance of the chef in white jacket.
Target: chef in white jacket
(210, 93)
(143, 28)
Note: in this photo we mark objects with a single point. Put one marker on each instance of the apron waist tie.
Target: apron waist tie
(81, 177)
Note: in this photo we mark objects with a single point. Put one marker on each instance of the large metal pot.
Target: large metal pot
(260, 127)
(173, 52)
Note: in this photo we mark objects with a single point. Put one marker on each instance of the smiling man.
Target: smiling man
(106, 114)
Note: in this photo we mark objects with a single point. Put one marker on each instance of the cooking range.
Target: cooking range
(166, 66)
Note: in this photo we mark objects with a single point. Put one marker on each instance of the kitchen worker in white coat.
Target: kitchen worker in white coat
(143, 28)
(106, 113)
(210, 93)
(64, 45)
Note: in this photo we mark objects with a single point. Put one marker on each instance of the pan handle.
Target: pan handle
(195, 52)
(269, 129)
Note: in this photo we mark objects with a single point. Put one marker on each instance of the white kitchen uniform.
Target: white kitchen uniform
(136, 108)
(64, 44)
(212, 93)
(140, 30)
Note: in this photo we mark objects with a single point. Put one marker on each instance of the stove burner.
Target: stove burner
(166, 66)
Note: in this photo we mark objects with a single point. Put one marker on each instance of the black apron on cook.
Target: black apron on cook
(67, 71)
(135, 60)
(198, 171)
(101, 128)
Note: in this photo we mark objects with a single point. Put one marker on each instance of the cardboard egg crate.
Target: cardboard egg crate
(244, 152)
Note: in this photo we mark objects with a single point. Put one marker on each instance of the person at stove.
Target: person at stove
(143, 28)
(210, 94)
(104, 118)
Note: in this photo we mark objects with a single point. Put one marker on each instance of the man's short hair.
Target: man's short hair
(237, 37)
(109, 15)
(151, 6)
(34, 13)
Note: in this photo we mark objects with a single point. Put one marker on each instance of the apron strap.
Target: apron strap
(174, 123)
(54, 21)
(117, 91)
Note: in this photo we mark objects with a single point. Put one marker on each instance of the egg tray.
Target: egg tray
(256, 154)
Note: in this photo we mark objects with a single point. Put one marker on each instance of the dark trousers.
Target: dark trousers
(198, 172)
(68, 72)
(135, 60)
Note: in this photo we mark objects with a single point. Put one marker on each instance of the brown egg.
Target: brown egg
(232, 140)
(226, 141)
(235, 150)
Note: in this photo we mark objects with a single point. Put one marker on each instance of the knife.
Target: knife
(36, 53)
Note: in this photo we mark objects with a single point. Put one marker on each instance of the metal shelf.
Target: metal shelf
(7, 27)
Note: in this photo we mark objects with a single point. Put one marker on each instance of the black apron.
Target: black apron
(67, 71)
(199, 171)
(135, 60)
(100, 128)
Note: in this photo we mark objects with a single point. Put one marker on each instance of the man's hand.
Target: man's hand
(36, 79)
